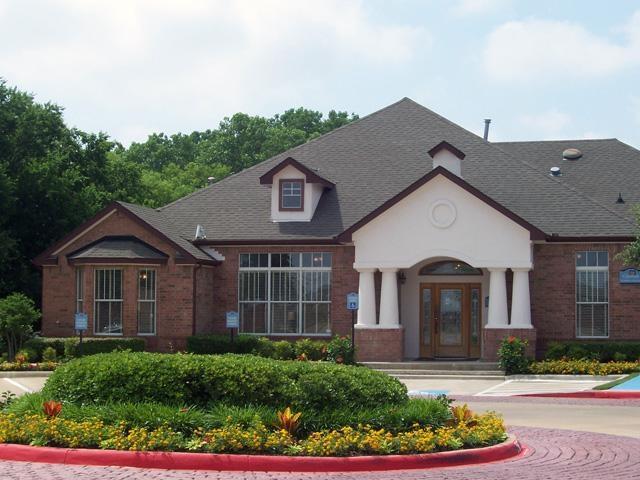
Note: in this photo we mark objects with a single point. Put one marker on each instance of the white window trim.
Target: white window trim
(154, 302)
(607, 303)
(96, 300)
(300, 301)
(79, 289)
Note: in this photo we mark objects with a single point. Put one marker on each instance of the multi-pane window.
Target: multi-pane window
(285, 293)
(592, 294)
(146, 302)
(291, 194)
(79, 290)
(108, 302)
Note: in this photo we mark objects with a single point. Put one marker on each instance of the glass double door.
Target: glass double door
(450, 320)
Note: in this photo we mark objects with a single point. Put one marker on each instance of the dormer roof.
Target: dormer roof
(448, 147)
(310, 175)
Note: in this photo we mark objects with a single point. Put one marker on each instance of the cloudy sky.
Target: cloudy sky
(542, 69)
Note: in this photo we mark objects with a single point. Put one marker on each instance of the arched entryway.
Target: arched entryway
(442, 309)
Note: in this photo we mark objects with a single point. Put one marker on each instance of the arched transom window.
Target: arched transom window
(449, 267)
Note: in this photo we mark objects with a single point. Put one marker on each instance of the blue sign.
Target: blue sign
(630, 275)
(233, 320)
(352, 301)
(81, 322)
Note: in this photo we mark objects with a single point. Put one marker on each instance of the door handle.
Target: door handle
(435, 323)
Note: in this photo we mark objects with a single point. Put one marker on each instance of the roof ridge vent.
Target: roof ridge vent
(555, 172)
(571, 154)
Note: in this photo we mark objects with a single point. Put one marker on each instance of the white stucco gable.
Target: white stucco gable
(442, 219)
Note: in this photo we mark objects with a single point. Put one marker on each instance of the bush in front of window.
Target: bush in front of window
(218, 344)
(205, 380)
(68, 347)
(601, 351)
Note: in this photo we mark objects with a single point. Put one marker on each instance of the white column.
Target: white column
(389, 317)
(367, 298)
(498, 311)
(520, 301)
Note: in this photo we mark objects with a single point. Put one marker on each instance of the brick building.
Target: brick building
(451, 241)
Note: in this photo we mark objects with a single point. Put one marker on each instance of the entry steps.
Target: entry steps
(461, 370)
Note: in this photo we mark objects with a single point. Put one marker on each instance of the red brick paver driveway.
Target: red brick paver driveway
(552, 454)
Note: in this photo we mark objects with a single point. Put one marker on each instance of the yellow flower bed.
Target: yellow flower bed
(480, 430)
(582, 367)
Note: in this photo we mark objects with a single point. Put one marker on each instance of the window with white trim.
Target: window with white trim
(285, 293)
(108, 302)
(592, 294)
(79, 290)
(146, 302)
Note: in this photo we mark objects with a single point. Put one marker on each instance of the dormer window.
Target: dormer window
(291, 195)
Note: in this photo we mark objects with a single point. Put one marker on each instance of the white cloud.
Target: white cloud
(538, 50)
(634, 100)
(475, 7)
(548, 125)
(156, 64)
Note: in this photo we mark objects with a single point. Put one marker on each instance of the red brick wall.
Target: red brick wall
(553, 294)
(379, 344)
(205, 288)
(174, 317)
(344, 279)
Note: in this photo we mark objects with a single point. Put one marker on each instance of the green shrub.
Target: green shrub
(265, 348)
(283, 350)
(29, 354)
(601, 351)
(49, 354)
(219, 344)
(310, 349)
(68, 347)
(395, 418)
(511, 355)
(232, 379)
(339, 350)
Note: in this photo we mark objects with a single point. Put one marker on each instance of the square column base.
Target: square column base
(492, 337)
(379, 344)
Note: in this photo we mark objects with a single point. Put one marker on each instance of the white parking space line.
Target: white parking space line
(490, 389)
(19, 385)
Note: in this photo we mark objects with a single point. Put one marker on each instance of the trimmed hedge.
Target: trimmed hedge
(205, 380)
(262, 346)
(601, 351)
(90, 346)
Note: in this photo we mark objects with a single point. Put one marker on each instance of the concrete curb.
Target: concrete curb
(606, 394)
(595, 378)
(25, 374)
(259, 463)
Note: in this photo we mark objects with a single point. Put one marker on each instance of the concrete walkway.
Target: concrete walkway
(20, 383)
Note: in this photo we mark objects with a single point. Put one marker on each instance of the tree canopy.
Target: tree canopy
(53, 177)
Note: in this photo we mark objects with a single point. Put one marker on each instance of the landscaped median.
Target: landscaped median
(283, 414)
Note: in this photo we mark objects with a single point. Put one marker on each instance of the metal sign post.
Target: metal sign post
(352, 304)
(233, 321)
(81, 324)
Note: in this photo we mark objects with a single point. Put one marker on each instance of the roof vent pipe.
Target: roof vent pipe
(487, 121)
(620, 199)
(555, 171)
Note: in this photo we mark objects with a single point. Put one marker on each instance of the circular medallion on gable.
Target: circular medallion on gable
(442, 213)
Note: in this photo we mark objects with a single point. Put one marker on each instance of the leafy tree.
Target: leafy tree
(17, 317)
(630, 254)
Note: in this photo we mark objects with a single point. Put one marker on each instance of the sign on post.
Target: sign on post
(352, 301)
(233, 320)
(630, 275)
(81, 322)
